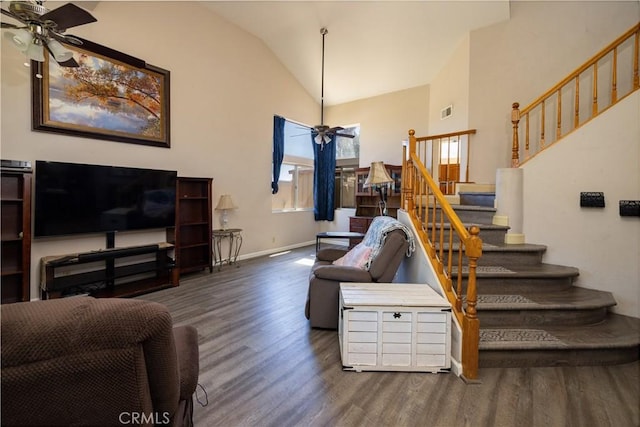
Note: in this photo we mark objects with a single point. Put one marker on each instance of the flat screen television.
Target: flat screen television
(72, 198)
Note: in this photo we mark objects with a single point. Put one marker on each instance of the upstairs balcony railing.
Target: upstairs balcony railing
(592, 88)
(452, 249)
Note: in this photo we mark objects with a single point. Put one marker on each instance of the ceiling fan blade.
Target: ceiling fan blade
(67, 16)
(7, 25)
(345, 135)
(71, 63)
(11, 15)
(66, 38)
(333, 129)
(300, 134)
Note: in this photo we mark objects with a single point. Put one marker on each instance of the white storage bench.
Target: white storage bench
(394, 327)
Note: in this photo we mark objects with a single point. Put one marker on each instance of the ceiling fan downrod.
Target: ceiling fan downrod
(324, 32)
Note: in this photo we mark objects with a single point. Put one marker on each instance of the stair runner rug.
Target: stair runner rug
(523, 338)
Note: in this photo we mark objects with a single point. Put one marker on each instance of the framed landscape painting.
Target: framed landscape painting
(110, 96)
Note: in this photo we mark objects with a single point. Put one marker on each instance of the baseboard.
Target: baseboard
(272, 251)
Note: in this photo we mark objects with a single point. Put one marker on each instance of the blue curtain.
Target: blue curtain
(278, 150)
(324, 164)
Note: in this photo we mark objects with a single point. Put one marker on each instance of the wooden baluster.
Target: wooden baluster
(471, 324)
(466, 176)
(515, 149)
(576, 113)
(614, 77)
(636, 54)
(543, 124)
(526, 136)
(559, 119)
(459, 287)
(594, 104)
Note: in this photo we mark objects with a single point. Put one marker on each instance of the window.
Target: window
(296, 173)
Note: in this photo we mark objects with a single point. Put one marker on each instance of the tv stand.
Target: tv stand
(114, 272)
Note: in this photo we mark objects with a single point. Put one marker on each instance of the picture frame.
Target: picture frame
(110, 96)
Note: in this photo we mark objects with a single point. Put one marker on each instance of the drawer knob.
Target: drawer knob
(397, 315)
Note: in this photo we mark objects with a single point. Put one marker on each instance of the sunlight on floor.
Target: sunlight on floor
(305, 261)
(279, 254)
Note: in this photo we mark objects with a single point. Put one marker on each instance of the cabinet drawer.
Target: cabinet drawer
(396, 316)
(396, 337)
(396, 359)
(356, 326)
(430, 360)
(396, 327)
(370, 359)
(370, 316)
(432, 317)
(363, 337)
(431, 348)
(423, 337)
(362, 347)
(432, 327)
(396, 348)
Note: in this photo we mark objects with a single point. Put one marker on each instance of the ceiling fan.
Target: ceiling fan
(323, 133)
(44, 29)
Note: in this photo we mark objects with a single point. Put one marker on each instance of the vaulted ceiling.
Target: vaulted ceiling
(372, 47)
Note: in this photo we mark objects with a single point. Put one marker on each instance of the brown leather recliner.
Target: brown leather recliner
(324, 281)
(86, 361)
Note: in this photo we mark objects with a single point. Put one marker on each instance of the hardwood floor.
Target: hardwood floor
(261, 365)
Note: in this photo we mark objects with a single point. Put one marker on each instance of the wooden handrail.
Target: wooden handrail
(441, 231)
(574, 80)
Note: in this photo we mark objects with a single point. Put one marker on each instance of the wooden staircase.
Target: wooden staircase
(530, 312)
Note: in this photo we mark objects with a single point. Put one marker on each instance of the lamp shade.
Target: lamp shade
(60, 54)
(225, 202)
(21, 39)
(377, 175)
(35, 51)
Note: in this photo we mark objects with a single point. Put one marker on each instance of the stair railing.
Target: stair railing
(442, 233)
(447, 157)
(537, 118)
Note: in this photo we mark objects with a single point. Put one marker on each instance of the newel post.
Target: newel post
(408, 174)
(515, 119)
(471, 325)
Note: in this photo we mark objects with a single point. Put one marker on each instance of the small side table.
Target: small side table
(336, 235)
(235, 243)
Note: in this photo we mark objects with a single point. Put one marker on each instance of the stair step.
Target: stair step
(515, 279)
(525, 254)
(489, 233)
(477, 198)
(615, 340)
(573, 306)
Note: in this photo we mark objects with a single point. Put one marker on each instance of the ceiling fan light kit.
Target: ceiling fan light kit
(43, 29)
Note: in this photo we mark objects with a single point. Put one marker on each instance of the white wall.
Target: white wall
(520, 59)
(225, 88)
(601, 156)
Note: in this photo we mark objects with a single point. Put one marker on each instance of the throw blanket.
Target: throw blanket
(380, 227)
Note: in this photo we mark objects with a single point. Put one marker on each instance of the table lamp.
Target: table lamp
(224, 204)
(378, 176)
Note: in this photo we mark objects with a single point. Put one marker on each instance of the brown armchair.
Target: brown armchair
(324, 281)
(86, 361)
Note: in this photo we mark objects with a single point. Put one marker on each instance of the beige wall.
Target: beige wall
(451, 87)
(384, 122)
(225, 88)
